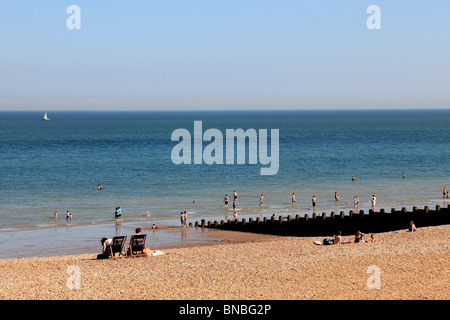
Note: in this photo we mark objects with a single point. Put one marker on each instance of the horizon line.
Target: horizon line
(225, 110)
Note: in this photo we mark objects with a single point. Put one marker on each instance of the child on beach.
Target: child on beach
(412, 227)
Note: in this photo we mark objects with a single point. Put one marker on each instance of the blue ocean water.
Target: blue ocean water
(57, 165)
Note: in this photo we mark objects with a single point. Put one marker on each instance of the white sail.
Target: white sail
(45, 116)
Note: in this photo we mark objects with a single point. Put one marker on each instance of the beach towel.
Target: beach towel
(156, 253)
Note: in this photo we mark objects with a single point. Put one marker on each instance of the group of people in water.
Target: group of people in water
(235, 197)
(68, 215)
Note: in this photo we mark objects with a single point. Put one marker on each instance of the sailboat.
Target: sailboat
(45, 116)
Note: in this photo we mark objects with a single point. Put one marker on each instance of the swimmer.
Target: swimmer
(336, 196)
(261, 200)
(293, 198)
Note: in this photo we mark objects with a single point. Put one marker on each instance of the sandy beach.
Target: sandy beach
(404, 266)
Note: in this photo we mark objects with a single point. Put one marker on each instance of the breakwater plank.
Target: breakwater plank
(328, 224)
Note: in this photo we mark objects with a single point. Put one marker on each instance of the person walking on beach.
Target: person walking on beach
(261, 200)
(226, 199)
(293, 198)
(374, 201)
(235, 215)
(314, 201)
(336, 196)
(444, 192)
(55, 215)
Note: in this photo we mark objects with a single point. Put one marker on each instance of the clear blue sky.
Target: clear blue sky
(224, 54)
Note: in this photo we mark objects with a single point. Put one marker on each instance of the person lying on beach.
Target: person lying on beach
(373, 239)
(412, 227)
(359, 237)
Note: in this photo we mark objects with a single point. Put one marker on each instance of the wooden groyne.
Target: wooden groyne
(329, 224)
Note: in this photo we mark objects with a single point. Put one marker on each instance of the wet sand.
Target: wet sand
(403, 266)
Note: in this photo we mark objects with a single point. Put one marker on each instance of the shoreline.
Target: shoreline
(412, 265)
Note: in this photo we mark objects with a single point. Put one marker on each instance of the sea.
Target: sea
(399, 156)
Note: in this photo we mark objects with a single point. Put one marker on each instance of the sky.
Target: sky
(224, 55)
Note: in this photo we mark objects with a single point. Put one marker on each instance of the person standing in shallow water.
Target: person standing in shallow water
(182, 218)
(185, 219)
(226, 199)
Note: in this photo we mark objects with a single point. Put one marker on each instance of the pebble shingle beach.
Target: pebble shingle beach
(404, 265)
